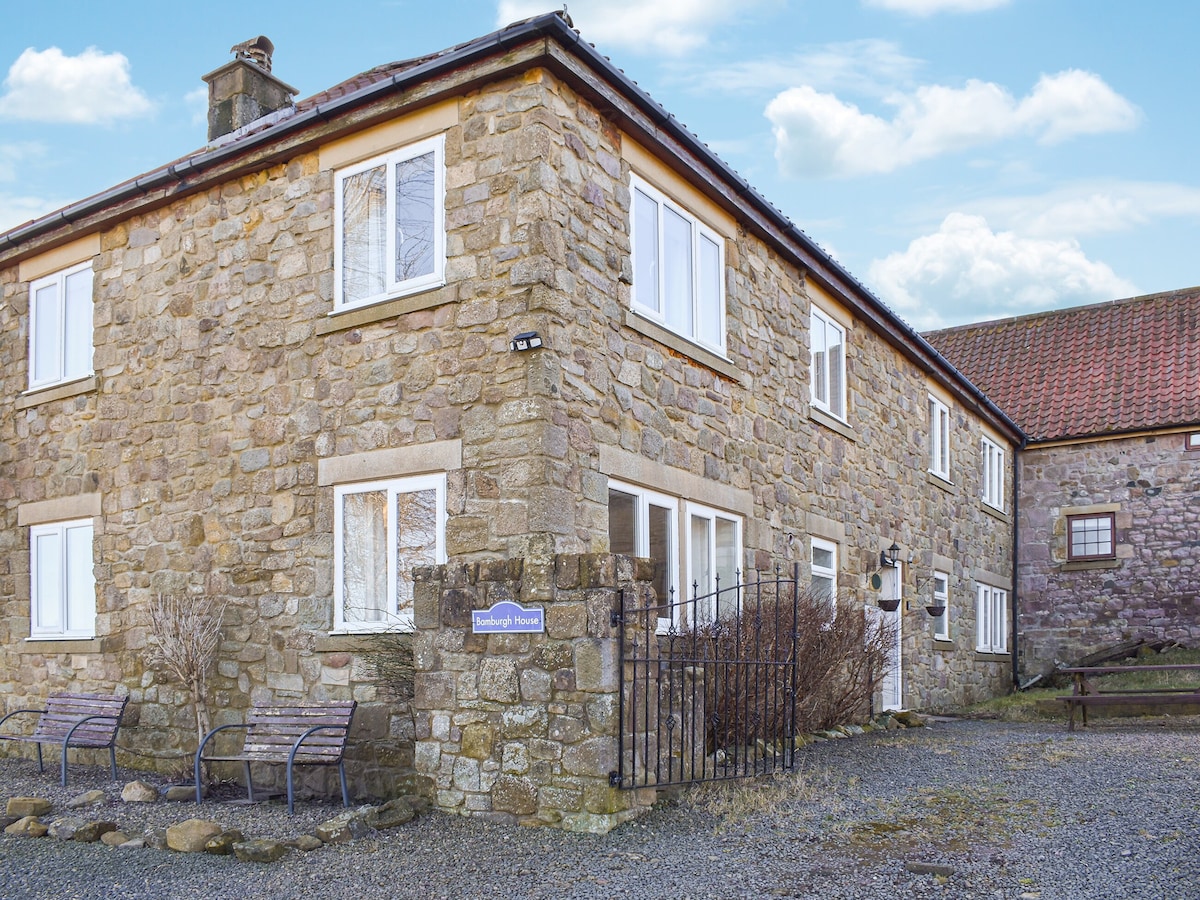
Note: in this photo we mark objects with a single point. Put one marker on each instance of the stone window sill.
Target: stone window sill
(668, 338)
(939, 481)
(1084, 565)
(57, 392)
(832, 423)
(996, 513)
(943, 644)
(48, 645)
(388, 309)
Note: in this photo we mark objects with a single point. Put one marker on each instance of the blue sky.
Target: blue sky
(965, 159)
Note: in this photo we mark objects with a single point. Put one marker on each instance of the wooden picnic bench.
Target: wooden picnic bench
(309, 735)
(1086, 693)
(74, 720)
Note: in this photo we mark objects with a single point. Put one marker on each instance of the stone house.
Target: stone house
(470, 328)
(1109, 481)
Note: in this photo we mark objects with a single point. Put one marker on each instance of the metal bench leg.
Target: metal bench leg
(64, 765)
(112, 759)
(249, 782)
(345, 792)
(41, 768)
(291, 792)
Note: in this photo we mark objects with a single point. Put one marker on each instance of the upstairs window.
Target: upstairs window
(939, 438)
(1091, 536)
(382, 531)
(60, 327)
(993, 474)
(677, 269)
(828, 364)
(390, 225)
(62, 581)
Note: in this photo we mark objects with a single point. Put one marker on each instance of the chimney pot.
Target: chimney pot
(244, 90)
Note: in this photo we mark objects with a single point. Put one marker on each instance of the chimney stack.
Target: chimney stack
(244, 90)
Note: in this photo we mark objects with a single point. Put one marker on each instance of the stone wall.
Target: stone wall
(523, 728)
(1151, 590)
(225, 390)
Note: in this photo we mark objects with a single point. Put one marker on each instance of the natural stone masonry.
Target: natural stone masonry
(523, 728)
(223, 384)
(1066, 612)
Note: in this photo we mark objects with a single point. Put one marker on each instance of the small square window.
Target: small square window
(1192, 441)
(1091, 536)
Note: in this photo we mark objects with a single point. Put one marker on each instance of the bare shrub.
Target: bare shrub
(388, 656)
(839, 662)
(184, 634)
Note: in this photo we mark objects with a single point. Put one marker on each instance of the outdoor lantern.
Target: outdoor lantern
(526, 340)
(889, 557)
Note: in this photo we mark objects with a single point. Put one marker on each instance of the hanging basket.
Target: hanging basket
(889, 605)
(935, 611)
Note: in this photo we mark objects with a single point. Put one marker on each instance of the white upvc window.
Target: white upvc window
(823, 574)
(62, 581)
(678, 266)
(646, 524)
(714, 551)
(390, 228)
(828, 363)
(382, 530)
(939, 438)
(941, 597)
(993, 474)
(60, 327)
(991, 620)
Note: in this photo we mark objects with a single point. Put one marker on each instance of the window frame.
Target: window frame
(703, 588)
(827, 403)
(941, 597)
(395, 618)
(698, 232)
(1109, 554)
(815, 571)
(939, 438)
(991, 619)
(67, 630)
(992, 473)
(393, 287)
(645, 498)
(66, 373)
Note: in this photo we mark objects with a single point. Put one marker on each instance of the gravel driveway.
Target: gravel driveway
(960, 809)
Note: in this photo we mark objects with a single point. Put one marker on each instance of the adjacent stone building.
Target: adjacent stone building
(451, 333)
(1109, 496)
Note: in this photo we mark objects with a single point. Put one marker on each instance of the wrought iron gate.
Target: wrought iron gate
(708, 683)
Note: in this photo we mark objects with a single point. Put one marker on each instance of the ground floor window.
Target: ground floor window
(690, 560)
(62, 580)
(823, 574)
(382, 531)
(991, 617)
(941, 597)
(1091, 536)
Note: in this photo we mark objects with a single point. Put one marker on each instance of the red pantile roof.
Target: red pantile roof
(1110, 367)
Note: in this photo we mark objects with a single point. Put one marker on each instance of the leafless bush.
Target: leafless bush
(184, 634)
(839, 662)
(388, 656)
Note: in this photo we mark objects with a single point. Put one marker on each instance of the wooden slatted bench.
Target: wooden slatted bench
(1086, 693)
(74, 720)
(303, 735)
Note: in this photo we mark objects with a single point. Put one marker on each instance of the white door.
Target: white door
(892, 686)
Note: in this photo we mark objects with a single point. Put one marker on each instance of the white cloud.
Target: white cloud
(1100, 207)
(93, 87)
(197, 102)
(930, 7)
(817, 134)
(861, 66)
(671, 27)
(17, 210)
(968, 272)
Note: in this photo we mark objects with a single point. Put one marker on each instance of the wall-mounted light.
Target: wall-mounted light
(889, 557)
(526, 340)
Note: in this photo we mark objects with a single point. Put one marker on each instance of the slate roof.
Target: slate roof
(1086, 371)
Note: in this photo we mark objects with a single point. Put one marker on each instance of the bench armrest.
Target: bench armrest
(18, 712)
(200, 755)
(344, 729)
